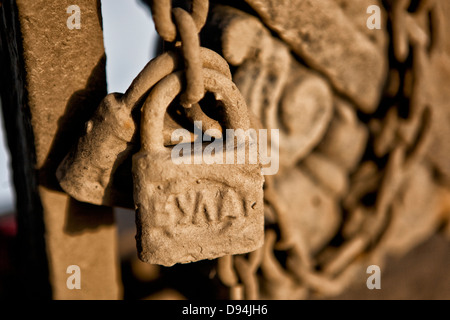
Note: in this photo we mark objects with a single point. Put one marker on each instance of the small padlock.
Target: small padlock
(97, 169)
(193, 211)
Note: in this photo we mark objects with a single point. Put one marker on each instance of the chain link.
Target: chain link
(172, 22)
(190, 46)
(162, 17)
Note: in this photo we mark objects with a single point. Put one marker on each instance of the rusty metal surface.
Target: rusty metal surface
(362, 116)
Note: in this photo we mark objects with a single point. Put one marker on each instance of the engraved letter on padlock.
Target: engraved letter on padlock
(191, 212)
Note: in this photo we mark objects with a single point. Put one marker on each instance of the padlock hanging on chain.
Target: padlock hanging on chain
(190, 212)
(97, 169)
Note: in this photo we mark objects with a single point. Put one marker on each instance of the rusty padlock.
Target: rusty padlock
(193, 211)
(97, 170)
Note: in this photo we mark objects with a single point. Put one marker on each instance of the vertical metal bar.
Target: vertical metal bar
(54, 80)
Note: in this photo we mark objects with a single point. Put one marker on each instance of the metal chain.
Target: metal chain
(299, 274)
(187, 26)
(190, 45)
(162, 16)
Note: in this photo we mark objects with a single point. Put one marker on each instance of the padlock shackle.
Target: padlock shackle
(155, 106)
(165, 64)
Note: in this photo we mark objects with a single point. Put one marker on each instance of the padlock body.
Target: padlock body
(191, 212)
